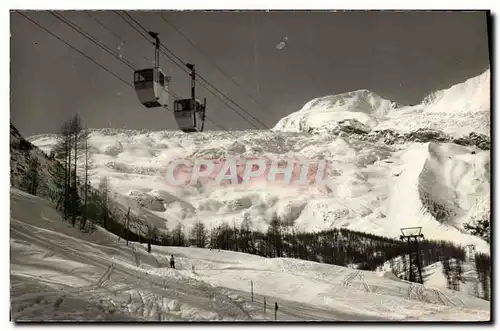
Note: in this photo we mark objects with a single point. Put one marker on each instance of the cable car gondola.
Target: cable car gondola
(151, 85)
(190, 113)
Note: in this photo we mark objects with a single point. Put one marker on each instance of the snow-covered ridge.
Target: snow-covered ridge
(460, 109)
(362, 105)
(473, 95)
(361, 100)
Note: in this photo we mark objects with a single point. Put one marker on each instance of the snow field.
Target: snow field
(59, 273)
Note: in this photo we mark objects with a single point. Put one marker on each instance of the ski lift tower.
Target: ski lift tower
(411, 235)
(471, 252)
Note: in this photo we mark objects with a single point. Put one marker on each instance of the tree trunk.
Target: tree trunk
(126, 225)
(75, 189)
(84, 219)
(68, 178)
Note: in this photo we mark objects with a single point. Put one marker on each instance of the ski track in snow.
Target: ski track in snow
(59, 273)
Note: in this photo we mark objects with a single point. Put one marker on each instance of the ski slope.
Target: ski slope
(60, 273)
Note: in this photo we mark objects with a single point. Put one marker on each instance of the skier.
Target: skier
(172, 262)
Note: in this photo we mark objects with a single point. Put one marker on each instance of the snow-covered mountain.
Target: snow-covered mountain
(458, 110)
(324, 113)
(470, 96)
(420, 179)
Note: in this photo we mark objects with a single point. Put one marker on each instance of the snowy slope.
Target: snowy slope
(371, 187)
(453, 185)
(59, 273)
(440, 177)
(21, 152)
(470, 285)
(433, 275)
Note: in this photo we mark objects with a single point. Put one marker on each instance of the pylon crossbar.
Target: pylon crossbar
(411, 231)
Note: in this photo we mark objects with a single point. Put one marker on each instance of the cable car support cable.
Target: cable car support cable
(176, 59)
(105, 27)
(91, 38)
(203, 79)
(212, 61)
(95, 61)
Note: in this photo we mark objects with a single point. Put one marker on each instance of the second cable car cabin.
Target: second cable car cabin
(189, 114)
